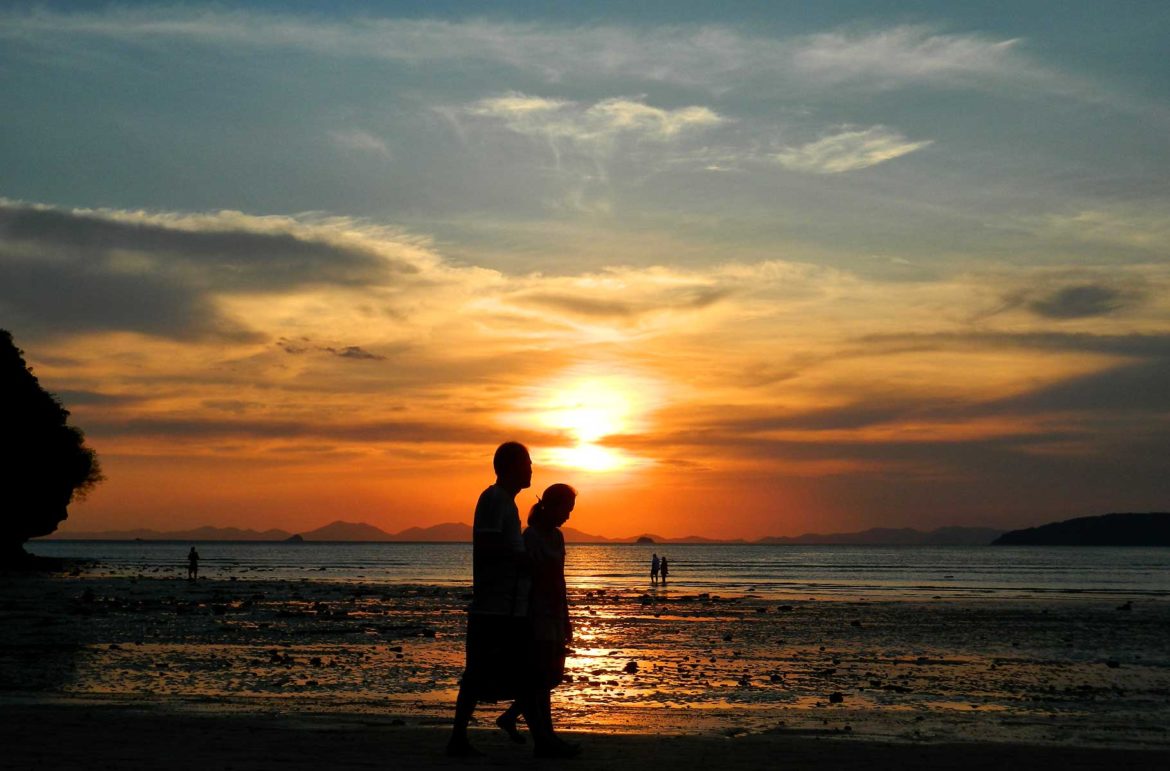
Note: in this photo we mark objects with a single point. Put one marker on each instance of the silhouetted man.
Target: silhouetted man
(500, 662)
(192, 564)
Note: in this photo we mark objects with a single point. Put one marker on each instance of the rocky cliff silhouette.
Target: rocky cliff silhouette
(44, 462)
(1149, 529)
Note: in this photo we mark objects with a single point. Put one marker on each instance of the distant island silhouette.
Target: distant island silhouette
(362, 532)
(1149, 529)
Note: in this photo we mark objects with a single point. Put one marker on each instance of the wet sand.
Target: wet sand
(380, 664)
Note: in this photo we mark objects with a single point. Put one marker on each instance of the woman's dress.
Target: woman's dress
(548, 606)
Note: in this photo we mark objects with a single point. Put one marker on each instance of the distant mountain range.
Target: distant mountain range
(460, 532)
(1148, 529)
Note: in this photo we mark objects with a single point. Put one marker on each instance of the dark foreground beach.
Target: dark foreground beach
(73, 736)
(129, 671)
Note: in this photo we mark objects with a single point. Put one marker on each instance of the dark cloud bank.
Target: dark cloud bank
(65, 271)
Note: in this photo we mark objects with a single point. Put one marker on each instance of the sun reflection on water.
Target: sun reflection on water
(643, 659)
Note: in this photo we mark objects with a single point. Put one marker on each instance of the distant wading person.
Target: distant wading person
(654, 567)
(663, 568)
(192, 565)
(500, 662)
(548, 605)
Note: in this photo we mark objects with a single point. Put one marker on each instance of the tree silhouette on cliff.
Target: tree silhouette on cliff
(44, 462)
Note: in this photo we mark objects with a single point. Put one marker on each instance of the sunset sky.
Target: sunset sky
(732, 269)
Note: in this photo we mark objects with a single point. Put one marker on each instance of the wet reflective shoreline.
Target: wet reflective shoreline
(668, 660)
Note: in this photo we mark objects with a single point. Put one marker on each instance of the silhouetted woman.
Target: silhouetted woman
(548, 608)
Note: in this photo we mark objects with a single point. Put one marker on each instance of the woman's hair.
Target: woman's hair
(554, 497)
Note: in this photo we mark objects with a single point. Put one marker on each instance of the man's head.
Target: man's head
(513, 466)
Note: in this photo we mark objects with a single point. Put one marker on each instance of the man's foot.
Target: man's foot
(557, 748)
(461, 748)
(509, 727)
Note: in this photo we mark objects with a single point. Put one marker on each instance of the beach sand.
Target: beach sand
(75, 736)
(139, 670)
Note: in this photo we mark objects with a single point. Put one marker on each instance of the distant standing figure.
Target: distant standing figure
(654, 567)
(192, 564)
(663, 568)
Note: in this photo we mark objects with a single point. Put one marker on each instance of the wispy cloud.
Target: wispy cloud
(307, 345)
(360, 141)
(908, 54)
(848, 151)
(585, 141)
(593, 124)
(1143, 226)
(708, 56)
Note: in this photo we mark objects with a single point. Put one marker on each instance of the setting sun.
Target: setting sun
(588, 457)
(589, 409)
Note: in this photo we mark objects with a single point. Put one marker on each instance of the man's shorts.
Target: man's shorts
(500, 663)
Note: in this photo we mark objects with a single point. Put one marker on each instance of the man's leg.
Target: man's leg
(532, 706)
(548, 744)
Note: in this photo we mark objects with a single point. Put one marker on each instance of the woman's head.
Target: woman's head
(553, 508)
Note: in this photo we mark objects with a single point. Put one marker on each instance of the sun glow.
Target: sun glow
(588, 457)
(589, 409)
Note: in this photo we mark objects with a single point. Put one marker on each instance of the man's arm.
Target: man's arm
(511, 530)
(497, 528)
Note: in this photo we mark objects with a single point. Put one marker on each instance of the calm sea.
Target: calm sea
(726, 570)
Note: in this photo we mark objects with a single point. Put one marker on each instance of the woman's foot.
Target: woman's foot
(508, 725)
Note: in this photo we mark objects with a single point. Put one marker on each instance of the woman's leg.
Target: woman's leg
(552, 746)
(507, 721)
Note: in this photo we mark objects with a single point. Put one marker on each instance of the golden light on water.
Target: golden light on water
(590, 408)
